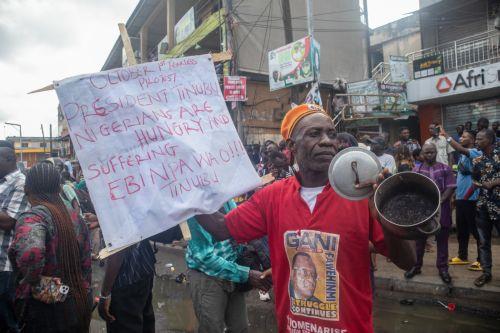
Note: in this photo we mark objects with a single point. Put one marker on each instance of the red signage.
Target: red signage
(444, 85)
(235, 88)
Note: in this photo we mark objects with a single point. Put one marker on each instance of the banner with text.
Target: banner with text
(156, 144)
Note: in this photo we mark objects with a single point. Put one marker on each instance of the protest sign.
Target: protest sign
(156, 144)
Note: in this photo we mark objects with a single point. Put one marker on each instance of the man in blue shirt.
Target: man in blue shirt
(466, 198)
(214, 276)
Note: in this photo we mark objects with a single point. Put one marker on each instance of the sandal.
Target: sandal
(458, 261)
(475, 266)
(482, 280)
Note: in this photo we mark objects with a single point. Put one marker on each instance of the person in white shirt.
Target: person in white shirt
(377, 146)
(444, 150)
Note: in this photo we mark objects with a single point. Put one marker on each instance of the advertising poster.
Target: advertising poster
(428, 65)
(294, 63)
(392, 88)
(367, 87)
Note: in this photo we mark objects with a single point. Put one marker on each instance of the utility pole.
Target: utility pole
(43, 139)
(367, 37)
(309, 18)
(50, 139)
(287, 24)
(20, 138)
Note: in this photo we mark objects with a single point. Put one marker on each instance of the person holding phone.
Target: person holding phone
(444, 150)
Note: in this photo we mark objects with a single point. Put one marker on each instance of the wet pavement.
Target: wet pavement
(391, 317)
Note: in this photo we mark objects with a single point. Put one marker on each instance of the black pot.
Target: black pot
(409, 182)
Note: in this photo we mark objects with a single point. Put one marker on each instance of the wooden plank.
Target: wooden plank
(129, 51)
(46, 88)
(143, 35)
(170, 4)
(186, 233)
(222, 56)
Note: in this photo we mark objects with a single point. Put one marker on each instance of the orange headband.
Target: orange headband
(293, 117)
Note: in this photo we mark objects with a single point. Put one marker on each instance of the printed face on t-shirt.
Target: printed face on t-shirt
(303, 276)
(314, 281)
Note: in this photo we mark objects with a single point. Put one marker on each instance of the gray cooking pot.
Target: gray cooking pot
(405, 182)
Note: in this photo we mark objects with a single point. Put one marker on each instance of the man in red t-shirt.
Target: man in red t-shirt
(318, 240)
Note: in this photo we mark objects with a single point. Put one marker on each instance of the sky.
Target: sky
(46, 40)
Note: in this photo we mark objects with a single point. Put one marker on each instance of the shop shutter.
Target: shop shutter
(459, 114)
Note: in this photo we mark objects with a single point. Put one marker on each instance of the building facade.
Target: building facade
(249, 29)
(456, 75)
(31, 150)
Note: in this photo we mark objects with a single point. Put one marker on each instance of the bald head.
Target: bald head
(429, 153)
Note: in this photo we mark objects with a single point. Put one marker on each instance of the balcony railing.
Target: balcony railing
(466, 52)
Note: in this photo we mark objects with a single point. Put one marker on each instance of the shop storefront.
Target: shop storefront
(455, 98)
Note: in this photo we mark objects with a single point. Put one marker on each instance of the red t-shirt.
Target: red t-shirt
(326, 251)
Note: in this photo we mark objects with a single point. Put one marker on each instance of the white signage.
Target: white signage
(399, 69)
(156, 144)
(449, 84)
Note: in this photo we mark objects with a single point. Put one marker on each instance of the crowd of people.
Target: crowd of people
(285, 235)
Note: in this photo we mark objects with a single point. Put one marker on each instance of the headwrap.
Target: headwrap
(293, 116)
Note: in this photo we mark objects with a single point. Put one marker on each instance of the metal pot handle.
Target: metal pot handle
(431, 232)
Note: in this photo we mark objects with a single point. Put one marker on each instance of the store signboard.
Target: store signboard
(455, 83)
(428, 65)
(394, 88)
(399, 69)
(185, 26)
(235, 88)
(294, 63)
(368, 87)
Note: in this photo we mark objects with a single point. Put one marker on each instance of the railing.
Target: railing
(463, 53)
(358, 106)
(382, 72)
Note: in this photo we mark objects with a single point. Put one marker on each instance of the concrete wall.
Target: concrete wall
(402, 46)
(337, 27)
(397, 38)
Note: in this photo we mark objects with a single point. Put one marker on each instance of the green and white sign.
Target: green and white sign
(294, 63)
(185, 26)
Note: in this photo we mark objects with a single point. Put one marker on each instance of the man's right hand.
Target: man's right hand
(103, 310)
(257, 280)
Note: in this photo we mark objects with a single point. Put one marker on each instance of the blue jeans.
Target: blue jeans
(7, 294)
